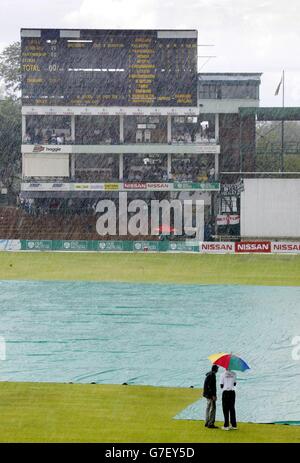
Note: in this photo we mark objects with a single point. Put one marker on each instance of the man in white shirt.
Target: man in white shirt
(228, 383)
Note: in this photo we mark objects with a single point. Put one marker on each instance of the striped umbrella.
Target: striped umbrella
(229, 361)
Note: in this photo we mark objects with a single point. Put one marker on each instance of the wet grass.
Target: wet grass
(49, 412)
(152, 268)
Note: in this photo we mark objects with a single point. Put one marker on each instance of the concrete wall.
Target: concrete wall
(270, 208)
(225, 106)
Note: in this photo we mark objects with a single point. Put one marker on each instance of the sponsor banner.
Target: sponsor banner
(75, 245)
(81, 186)
(154, 186)
(252, 246)
(215, 186)
(112, 186)
(46, 149)
(37, 186)
(71, 148)
(159, 186)
(37, 245)
(285, 247)
(222, 220)
(170, 186)
(234, 219)
(57, 186)
(109, 245)
(87, 186)
(10, 245)
(32, 186)
(60, 186)
(145, 245)
(182, 246)
(3, 245)
(38, 149)
(182, 185)
(220, 247)
(97, 186)
(134, 186)
(227, 219)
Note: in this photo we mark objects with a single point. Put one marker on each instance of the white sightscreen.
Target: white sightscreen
(270, 208)
(45, 165)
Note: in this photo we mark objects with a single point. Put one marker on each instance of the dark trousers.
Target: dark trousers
(228, 401)
(210, 412)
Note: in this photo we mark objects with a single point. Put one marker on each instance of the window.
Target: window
(209, 91)
(229, 90)
(239, 90)
(229, 204)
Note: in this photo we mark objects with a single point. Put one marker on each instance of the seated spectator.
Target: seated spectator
(27, 138)
(60, 139)
(68, 140)
(211, 175)
(206, 132)
(48, 135)
(208, 232)
(38, 139)
(53, 138)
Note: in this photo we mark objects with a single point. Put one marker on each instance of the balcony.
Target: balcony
(67, 188)
(175, 147)
(121, 135)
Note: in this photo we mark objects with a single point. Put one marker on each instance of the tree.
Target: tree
(10, 141)
(10, 118)
(10, 69)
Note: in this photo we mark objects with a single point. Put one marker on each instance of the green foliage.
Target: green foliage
(10, 116)
(10, 141)
(269, 146)
(292, 162)
(10, 69)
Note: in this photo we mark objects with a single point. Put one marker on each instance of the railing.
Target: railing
(225, 238)
(199, 141)
(276, 148)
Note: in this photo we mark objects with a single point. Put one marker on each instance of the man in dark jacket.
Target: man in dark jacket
(210, 393)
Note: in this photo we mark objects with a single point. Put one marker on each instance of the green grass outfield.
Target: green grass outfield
(152, 268)
(41, 412)
(49, 412)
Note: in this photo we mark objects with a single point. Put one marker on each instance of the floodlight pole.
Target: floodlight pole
(282, 128)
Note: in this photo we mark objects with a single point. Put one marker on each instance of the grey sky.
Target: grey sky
(249, 35)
